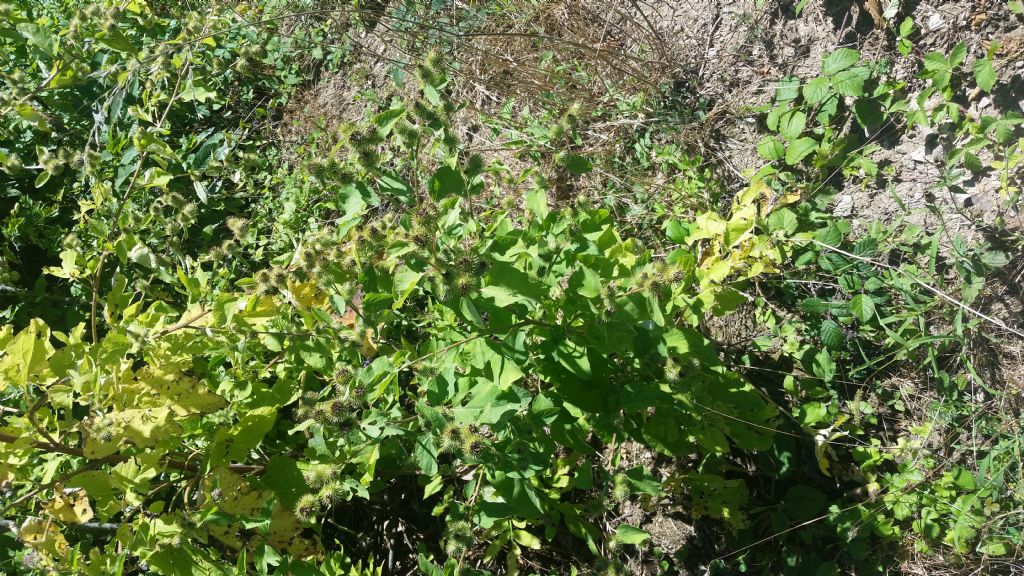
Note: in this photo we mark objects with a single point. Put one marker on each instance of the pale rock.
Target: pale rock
(844, 206)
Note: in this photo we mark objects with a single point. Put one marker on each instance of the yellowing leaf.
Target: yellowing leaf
(707, 225)
(368, 347)
(716, 272)
(285, 535)
(820, 445)
(25, 355)
(70, 508)
(228, 534)
(742, 221)
(44, 536)
(181, 393)
(308, 294)
(6, 474)
(140, 427)
(235, 443)
(234, 495)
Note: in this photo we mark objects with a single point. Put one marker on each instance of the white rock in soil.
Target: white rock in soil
(844, 206)
(935, 22)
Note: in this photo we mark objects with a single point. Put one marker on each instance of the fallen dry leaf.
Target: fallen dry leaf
(873, 8)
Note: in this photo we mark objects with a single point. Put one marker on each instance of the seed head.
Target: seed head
(451, 438)
(332, 493)
(338, 410)
(238, 226)
(307, 507)
(473, 445)
(620, 487)
(318, 476)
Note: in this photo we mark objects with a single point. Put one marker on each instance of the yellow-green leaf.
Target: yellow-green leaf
(25, 356)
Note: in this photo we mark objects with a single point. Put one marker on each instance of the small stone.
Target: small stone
(935, 22)
(844, 206)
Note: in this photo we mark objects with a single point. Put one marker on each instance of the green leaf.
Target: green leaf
(770, 149)
(446, 182)
(393, 185)
(783, 220)
(433, 487)
(962, 478)
(831, 234)
(868, 112)
(33, 117)
(504, 371)
(998, 548)
(314, 353)
(823, 366)
(819, 306)
(787, 89)
(405, 282)
(537, 203)
(508, 285)
(816, 90)
(791, 124)
(831, 334)
(851, 82)
(811, 413)
(282, 475)
(772, 119)
(591, 287)
(840, 60)
(937, 68)
(577, 164)
(39, 36)
(43, 178)
(904, 46)
(995, 259)
(425, 453)
(799, 149)
(116, 40)
(676, 231)
(193, 92)
(957, 55)
(626, 534)
(155, 178)
(863, 307)
(984, 74)
(906, 27)
(526, 539)
(972, 162)
(431, 94)
(386, 120)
